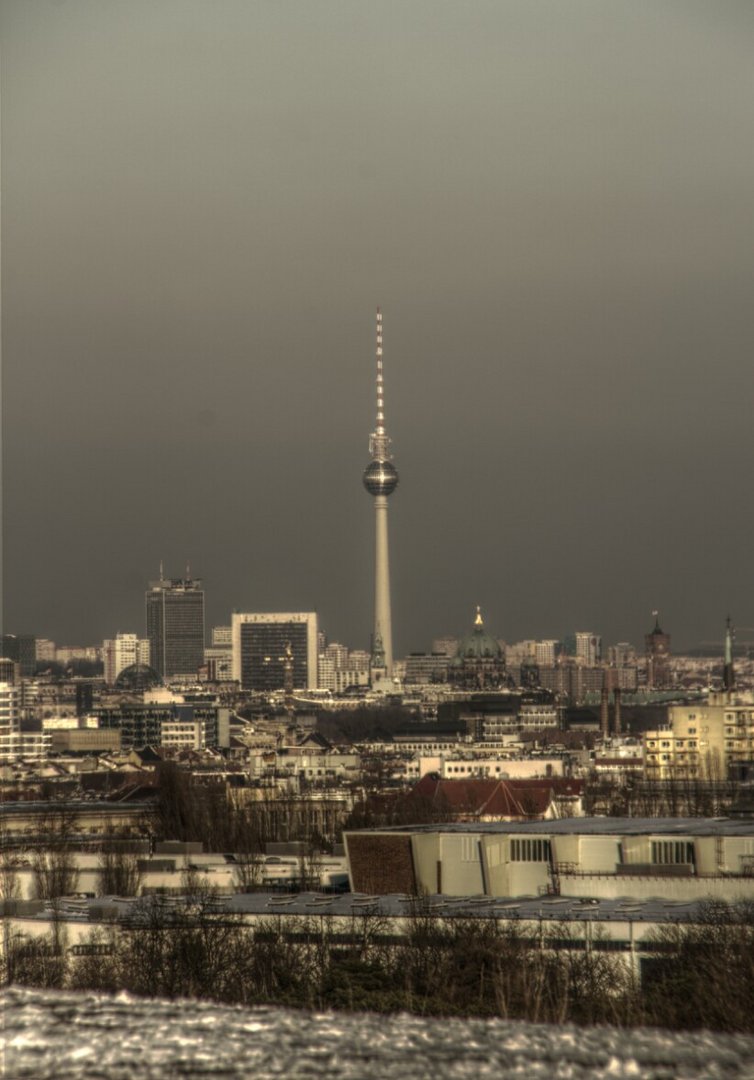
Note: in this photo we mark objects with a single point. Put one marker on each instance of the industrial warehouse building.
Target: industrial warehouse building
(347, 921)
(680, 859)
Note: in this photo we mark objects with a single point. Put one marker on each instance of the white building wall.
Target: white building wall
(121, 652)
(461, 870)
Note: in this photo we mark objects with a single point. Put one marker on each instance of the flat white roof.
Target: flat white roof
(585, 826)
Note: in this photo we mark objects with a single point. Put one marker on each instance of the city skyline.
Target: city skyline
(565, 641)
(200, 211)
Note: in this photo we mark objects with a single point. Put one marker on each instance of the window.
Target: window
(468, 849)
(530, 850)
(674, 852)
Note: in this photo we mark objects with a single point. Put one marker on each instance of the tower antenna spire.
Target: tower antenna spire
(379, 441)
(380, 376)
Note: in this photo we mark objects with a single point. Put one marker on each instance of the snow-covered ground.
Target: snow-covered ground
(61, 1036)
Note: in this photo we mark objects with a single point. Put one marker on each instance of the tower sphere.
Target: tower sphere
(380, 478)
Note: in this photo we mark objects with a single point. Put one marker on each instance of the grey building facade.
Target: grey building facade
(175, 626)
(260, 642)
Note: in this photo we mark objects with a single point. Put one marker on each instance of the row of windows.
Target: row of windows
(530, 850)
(672, 851)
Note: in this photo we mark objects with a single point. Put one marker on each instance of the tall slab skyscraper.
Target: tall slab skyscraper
(381, 480)
(175, 625)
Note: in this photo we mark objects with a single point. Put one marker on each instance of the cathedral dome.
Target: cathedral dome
(479, 645)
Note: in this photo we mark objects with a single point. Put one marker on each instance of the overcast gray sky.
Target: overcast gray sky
(552, 200)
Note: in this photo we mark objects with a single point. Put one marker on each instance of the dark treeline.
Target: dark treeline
(196, 808)
(636, 797)
(199, 808)
(700, 976)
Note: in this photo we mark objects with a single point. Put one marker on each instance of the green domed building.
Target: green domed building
(479, 663)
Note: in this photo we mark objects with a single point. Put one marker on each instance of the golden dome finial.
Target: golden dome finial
(478, 621)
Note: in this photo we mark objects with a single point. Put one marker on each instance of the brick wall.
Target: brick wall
(381, 864)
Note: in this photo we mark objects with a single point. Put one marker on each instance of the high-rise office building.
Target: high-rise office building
(23, 649)
(45, 651)
(175, 625)
(340, 668)
(546, 652)
(381, 480)
(261, 643)
(10, 671)
(588, 647)
(10, 715)
(121, 652)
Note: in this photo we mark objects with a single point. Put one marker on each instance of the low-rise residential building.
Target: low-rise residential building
(703, 740)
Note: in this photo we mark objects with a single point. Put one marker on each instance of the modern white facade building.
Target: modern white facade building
(588, 648)
(10, 730)
(546, 653)
(340, 668)
(121, 652)
(15, 743)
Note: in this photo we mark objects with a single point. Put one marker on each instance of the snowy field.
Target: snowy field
(61, 1036)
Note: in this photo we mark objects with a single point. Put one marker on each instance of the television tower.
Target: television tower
(381, 480)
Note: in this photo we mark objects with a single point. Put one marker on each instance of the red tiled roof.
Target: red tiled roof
(479, 797)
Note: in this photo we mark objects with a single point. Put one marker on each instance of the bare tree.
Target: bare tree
(119, 873)
(11, 861)
(53, 861)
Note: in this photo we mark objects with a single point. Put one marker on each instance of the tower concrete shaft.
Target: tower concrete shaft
(381, 480)
(383, 625)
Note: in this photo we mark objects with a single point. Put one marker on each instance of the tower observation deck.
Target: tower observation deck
(380, 480)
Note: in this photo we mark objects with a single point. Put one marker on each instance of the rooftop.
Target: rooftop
(590, 826)
(395, 905)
